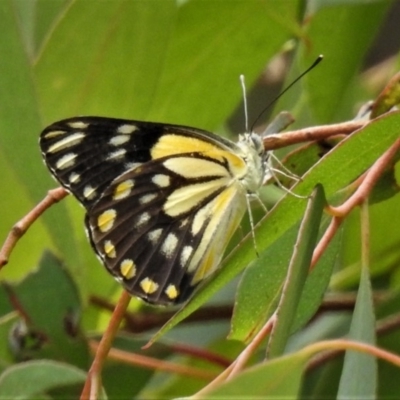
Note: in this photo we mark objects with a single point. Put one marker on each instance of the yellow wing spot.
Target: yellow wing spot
(116, 155)
(161, 180)
(127, 129)
(147, 198)
(169, 246)
(105, 221)
(184, 199)
(89, 192)
(119, 140)
(128, 268)
(172, 292)
(148, 285)
(191, 167)
(171, 144)
(68, 141)
(109, 249)
(78, 125)
(66, 161)
(123, 189)
(53, 134)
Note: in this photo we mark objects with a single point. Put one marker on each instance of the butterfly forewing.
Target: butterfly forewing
(162, 200)
(86, 154)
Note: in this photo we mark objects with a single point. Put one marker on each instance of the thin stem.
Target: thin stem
(277, 141)
(154, 364)
(371, 177)
(343, 344)
(241, 360)
(20, 228)
(93, 382)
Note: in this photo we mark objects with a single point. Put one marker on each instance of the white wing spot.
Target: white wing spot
(200, 218)
(74, 178)
(66, 161)
(53, 134)
(161, 180)
(89, 192)
(109, 249)
(155, 235)
(69, 141)
(172, 292)
(128, 268)
(127, 129)
(105, 220)
(143, 219)
(169, 246)
(123, 189)
(147, 198)
(78, 125)
(148, 285)
(131, 165)
(185, 255)
(116, 155)
(119, 140)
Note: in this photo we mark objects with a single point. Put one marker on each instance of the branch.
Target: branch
(20, 228)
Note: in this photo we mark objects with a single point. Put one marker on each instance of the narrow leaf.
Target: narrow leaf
(359, 375)
(297, 273)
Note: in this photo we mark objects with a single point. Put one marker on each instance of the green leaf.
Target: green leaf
(297, 273)
(20, 125)
(317, 282)
(114, 70)
(207, 55)
(33, 378)
(344, 51)
(279, 378)
(259, 289)
(359, 375)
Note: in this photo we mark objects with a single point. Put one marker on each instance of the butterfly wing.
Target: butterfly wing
(161, 233)
(162, 200)
(85, 154)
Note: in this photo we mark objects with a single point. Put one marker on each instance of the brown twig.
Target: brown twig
(201, 354)
(153, 363)
(93, 381)
(361, 194)
(19, 229)
(383, 327)
(279, 140)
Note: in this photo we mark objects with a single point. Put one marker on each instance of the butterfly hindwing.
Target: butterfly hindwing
(152, 228)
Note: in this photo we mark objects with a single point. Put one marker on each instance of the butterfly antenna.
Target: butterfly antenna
(312, 66)
(246, 115)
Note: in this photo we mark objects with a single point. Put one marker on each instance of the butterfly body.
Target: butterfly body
(162, 201)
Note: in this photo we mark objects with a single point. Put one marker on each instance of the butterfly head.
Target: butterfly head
(253, 152)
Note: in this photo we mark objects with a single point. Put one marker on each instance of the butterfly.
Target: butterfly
(162, 201)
